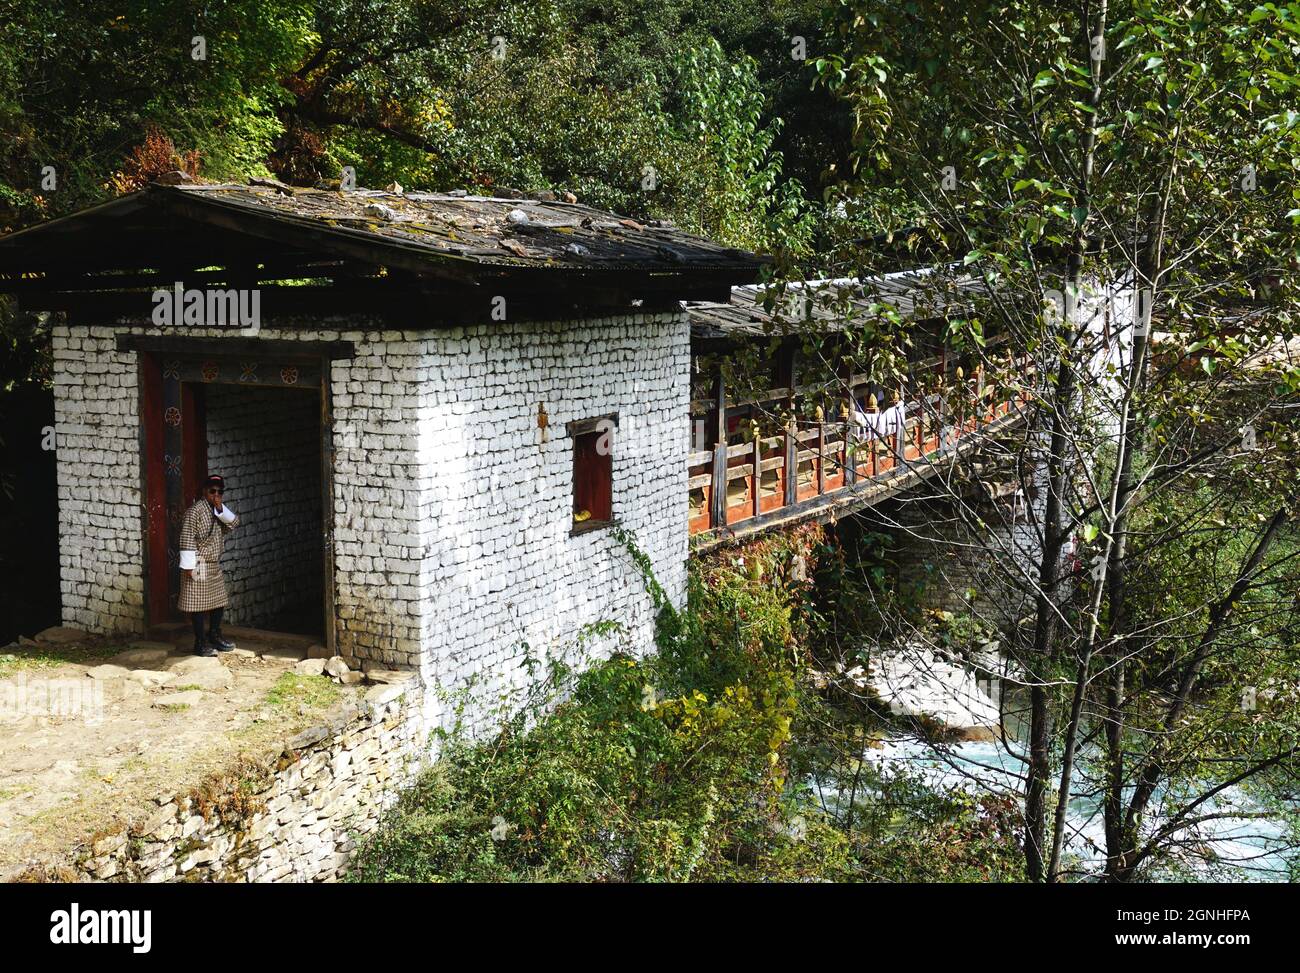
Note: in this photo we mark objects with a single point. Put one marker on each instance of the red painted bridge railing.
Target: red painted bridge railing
(747, 481)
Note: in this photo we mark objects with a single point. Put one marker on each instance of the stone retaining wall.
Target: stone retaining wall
(294, 816)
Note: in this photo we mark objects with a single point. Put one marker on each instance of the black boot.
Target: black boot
(201, 646)
(215, 639)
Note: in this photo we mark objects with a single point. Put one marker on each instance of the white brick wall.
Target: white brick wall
(451, 515)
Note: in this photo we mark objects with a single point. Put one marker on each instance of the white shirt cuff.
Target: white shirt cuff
(189, 560)
(226, 515)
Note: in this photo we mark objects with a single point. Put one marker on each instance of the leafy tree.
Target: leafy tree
(1054, 148)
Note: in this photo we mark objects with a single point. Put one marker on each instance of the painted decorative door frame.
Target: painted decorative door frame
(173, 452)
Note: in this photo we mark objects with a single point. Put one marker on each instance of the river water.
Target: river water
(1234, 848)
(929, 550)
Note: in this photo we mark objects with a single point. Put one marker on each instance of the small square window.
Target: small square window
(593, 472)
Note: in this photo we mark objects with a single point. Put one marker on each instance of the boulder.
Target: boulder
(915, 681)
(336, 667)
(151, 678)
(380, 695)
(59, 635)
(388, 677)
(313, 734)
(212, 680)
(310, 667)
(184, 665)
(108, 672)
(351, 678)
(135, 657)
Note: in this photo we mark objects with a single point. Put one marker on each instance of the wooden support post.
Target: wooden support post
(718, 495)
(327, 499)
(758, 473)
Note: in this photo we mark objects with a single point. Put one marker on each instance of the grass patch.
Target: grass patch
(34, 658)
(294, 689)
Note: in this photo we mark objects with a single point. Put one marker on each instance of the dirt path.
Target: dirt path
(92, 730)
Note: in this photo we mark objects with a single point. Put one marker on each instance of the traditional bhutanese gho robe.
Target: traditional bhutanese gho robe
(203, 533)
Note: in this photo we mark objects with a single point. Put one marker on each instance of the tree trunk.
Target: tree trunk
(1054, 530)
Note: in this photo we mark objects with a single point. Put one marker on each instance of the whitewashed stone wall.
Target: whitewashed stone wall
(503, 579)
(379, 496)
(452, 509)
(266, 443)
(96, 406)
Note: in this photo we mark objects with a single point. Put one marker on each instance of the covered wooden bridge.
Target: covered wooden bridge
(799, 452)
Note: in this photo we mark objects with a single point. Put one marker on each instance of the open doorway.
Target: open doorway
(266, 443)
(265, 437)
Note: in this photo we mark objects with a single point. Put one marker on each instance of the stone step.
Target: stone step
(285, 648)
(261, 641)
(282, 639)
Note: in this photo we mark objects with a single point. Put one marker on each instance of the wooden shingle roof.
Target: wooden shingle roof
(481, 230)
(448, 242)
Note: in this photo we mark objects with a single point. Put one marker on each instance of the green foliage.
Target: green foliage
(89, 84)
(678, 767)
(740, 197)
(664, 769)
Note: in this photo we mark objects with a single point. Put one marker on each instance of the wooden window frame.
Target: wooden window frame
(585, 427)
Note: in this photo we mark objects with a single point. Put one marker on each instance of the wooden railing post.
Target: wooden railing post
(821, 452)
(850, 460)
(718, 493)
(786, 376)
(900, 432)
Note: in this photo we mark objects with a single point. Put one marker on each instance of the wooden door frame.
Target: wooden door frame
(153, 509)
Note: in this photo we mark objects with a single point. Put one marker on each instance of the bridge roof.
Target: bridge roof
(836, 304)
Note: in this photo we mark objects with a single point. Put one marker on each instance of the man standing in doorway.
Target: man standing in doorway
(203, 587)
